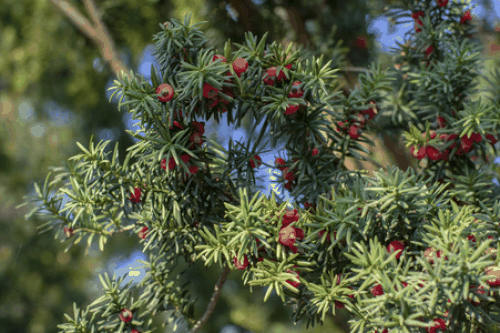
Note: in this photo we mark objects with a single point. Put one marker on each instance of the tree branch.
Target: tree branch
(298, 25)
(354, 69)
(340, 322)
(213, 300)
(98, 34)
(248, 14)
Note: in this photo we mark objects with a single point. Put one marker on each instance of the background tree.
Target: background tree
(62, 55)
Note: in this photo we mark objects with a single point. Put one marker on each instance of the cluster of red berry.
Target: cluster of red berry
(354, 127)
(441, 3)
(126, 315)
(466, 144)
(288, 174)
(287, 237)
(136, 196)
(195, 138)
(240, 66)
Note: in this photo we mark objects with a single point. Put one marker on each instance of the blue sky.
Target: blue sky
(122, 266)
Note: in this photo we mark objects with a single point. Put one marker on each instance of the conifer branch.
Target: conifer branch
(213, 300)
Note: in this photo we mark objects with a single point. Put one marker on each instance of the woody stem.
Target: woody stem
(213, 300)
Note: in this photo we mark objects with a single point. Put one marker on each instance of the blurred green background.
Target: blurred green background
(53, 82)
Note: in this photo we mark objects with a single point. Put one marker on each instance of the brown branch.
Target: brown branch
(213, 300)
(340, 322)
(248, 14)
(98, 34)
(298, 25)
(354, 69)
(397, 151)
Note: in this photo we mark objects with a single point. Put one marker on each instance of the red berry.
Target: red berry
(429, 50)
(193, 169)
(252, 163)
(268, 80)
(370, 113)
(416, 16)
(136, 196)
(341, 126)
(290, 217)
(240, 65)
(377, 290)
(361, 119)
(420, 154)
(441, 121)
(291, 109)
(396, 246)
(281, 75)
(212, 103)
(315, 152)
(361, 42)
(466, 144)
(68, 232)
(271, 72)
(452, 137)
(126, 315)
(429, 254)
(171, 163)
(219, 56)
(480, 291)
(442, 3)
(288, 175)
(476, 137)
(196, 138)
(176, 124)
(135, 331)
(143, 233)
(280, 163)
(185, 158)
(299, 233)
(240, 265)
(287, 236)
(438, 324)
(471, 238)
(291, 282)
(433, 153)
(309, 205)
(320, 234)
(354, 131)
(493, 273)
(466, 17)
(295, 92)
(432, 135)
(209, 91)
(165, 91)
(199, 127)
(491, 138)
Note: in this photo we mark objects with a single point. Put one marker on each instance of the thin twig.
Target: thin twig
(213, 300)
(354, 69)
(98, 33)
